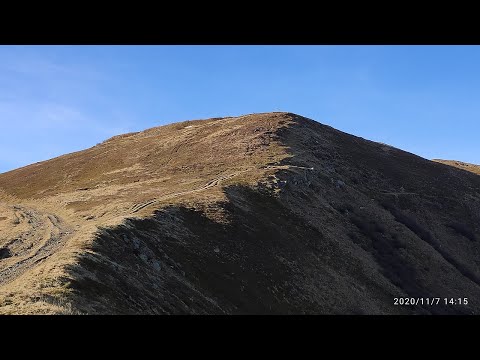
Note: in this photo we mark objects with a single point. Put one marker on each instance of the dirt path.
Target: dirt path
(287, 167)
(41, 236)
(215, 182)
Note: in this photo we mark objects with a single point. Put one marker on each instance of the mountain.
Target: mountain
(260, 214)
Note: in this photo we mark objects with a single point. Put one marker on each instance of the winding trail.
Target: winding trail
(43, 235)
(215, 182)
(287, 167)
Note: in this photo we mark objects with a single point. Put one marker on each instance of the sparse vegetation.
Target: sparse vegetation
(463, 230)
(369, 227)
(409, 221)
(344, 208)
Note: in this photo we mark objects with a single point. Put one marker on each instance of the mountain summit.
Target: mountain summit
(265, 213)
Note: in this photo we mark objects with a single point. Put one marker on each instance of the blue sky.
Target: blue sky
(60, 99)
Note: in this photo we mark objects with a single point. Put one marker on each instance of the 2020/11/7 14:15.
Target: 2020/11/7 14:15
(430, 301)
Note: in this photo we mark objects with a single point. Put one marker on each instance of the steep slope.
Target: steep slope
(265, 213)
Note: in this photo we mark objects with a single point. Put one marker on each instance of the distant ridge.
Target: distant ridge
(460, 165)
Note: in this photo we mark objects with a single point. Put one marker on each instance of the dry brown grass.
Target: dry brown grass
(461, 165)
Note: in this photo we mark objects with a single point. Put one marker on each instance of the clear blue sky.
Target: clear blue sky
(60, 99)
